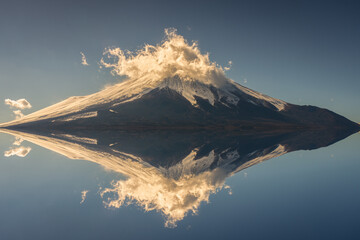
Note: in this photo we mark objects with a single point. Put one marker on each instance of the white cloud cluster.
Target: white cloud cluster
(83, 59)
(173, 57)
(19, 104)
(19, 151)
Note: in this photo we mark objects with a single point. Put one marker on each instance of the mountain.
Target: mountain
(177, 103)
(172, 86)
(173, 172)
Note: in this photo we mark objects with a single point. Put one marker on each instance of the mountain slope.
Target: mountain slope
(175, 103)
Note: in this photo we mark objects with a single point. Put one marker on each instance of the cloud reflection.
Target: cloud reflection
(83, 196)
(18, 141)
(174, 198)
(83, 59)
(19, 151)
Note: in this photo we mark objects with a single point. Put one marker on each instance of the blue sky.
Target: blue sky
(303, 52)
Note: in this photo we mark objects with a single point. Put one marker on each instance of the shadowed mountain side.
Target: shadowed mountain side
(173, 172)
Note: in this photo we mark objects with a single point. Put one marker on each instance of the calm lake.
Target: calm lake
(117, 185)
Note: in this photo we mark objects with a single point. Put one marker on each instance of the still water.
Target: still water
(179, 185)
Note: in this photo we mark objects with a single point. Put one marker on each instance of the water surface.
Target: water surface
(160, 185)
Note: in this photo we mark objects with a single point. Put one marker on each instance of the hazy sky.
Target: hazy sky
(303, 52)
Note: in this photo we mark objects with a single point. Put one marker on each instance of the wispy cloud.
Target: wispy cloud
(83, 59)
(83, 196)
(19, 151)
(19, 104)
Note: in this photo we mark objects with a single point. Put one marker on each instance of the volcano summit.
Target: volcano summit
(174, 86)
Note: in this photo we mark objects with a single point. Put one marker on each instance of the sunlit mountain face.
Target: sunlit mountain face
(173, 85)
(172, 172)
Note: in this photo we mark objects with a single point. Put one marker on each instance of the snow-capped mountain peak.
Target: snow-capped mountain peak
(180, 66)
(174, 85)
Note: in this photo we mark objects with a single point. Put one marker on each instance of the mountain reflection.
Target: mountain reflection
(174, 172)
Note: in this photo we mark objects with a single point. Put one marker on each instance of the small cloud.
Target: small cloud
(18, 114)
(331, 99)
(19, 104)
(229, 67)
(245, 80)
(20, 152)
(188, 28)
(83, 196)
(83, 59)
(229, 189)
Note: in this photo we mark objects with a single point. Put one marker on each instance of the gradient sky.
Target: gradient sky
(303, 52)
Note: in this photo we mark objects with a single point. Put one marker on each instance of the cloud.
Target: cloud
(19, 104)
(20, 152)
(83, 59)
(173, 57)
(229, 67)
(83, 196)
(18, 114)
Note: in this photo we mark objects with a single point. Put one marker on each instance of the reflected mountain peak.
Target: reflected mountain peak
(173, 172)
